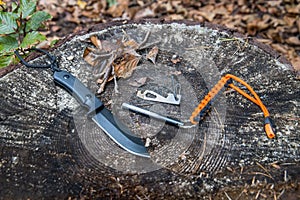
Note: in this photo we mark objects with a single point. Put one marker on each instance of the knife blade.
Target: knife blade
(117, 131)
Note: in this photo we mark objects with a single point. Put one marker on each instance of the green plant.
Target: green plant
(111, 2)
(19, 24)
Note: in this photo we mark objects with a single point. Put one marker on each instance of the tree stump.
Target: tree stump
(50, 150)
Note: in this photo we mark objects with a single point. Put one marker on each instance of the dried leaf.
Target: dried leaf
(275, 34)
(221, 10)
(293, 40)
(152, 54)
(81, 4)
(207, 12)
(89, 56)
(265, 41)
(298, 24)
(280, 48)
(258, 24)
(118, 9)
(74, 17)
(273, 10)
(273, 3)
(131, 44)
(126, 65)
(294, 9)
(174, 17)
(94, 39)
(296, 63)
(113, 60)
(262, 8)
(289, 20)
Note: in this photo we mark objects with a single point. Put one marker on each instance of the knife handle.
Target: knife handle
(81, 93)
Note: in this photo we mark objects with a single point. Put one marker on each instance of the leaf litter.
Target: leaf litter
(276, 23)
(116, 60)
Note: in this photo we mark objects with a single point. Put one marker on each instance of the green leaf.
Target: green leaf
(53, 42)
(111, 2)
(14, 6)
(27, 7)
(8, 43)
(36, 20)
(32, 38)
(8, 22)
(6, 60)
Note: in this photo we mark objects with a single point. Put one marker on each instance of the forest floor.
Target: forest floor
(276, 23)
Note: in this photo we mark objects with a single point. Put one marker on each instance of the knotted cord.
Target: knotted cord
(227, 81)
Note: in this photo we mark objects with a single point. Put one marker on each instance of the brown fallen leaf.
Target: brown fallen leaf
(81, 4)
(276, 34)
(221, 10)
(94, 39)
(132, 44)
(296, 63)
(126, 65)
(195, 15)
(280, 48)
(95, 56)
(289, 20)
(207, 13)
(294, 9)
(293, 40)
(89, 56)
(118, 9)
(174, 17)
(258, 24)
(265, 41)
(147, 12)
(298, 24)
(152, 54)
(113, 60)
(262, 8)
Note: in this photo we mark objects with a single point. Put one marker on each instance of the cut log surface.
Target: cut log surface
(49, 149)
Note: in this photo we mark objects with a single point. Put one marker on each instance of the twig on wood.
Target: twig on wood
(260, 173)
(257, 195)
(285, 179)
(144, 40)
(115, 80)
(242, 169)
(275, 197)
(265, 170)
(244, 190)
(228, 197)
(281, 193)
(253, 181)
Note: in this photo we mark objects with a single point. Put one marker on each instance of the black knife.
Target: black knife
(118, 132)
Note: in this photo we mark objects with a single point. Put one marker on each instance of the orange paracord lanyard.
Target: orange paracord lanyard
(227, 81)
